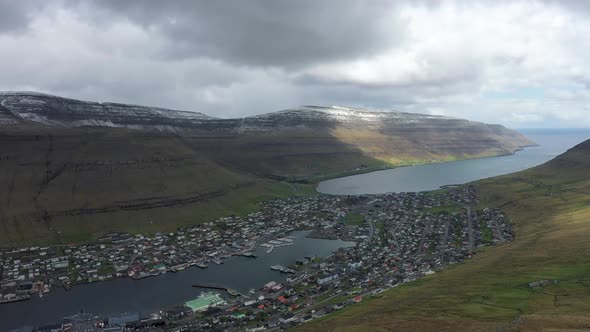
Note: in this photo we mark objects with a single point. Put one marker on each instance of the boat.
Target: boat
(201, 265)
(270, 249)
(17, 298)
(232, 292)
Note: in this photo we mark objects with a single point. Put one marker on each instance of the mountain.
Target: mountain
(279, 143)
(72, 170)
(549, 206)
(18, 107)
(289, 144)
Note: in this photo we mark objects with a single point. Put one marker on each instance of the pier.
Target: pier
(230, 291)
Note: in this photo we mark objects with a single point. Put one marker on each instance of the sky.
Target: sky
(523, 64)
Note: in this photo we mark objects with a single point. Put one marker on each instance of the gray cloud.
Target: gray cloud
(280, 33)
(15, 16)
(237, 58)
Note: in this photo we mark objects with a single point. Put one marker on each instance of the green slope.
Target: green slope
(550, 208)
(68, 185)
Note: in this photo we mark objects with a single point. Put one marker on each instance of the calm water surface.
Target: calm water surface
(433, 176)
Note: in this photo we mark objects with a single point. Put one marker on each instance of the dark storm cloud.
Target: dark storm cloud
(16, 15)
(279, 33)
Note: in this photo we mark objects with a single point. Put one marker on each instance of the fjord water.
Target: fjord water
(551, 142)
(155, 293)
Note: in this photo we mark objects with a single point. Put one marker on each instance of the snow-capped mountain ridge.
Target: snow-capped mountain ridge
(58, 111)
(52, 110)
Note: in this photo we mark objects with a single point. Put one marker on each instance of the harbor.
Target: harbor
(153, 293)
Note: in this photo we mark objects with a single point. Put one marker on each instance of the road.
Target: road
(470, 226)
(444, 241)
(470, 234)
(427, 230)
(500, 234)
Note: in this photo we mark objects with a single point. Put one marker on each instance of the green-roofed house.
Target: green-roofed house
(205, 301)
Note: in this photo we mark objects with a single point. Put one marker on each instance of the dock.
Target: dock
(282, 269)
(230, 291)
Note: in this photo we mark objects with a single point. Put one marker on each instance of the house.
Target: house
(319, 314)
(325, 280)
(273, 323)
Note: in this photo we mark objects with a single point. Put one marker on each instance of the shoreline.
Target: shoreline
(345, 175)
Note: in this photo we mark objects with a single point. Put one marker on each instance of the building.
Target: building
(205, 301)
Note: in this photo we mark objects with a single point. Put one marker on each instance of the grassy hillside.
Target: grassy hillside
(294, 155)
(69, 185)
(308, 153)
(550, 208)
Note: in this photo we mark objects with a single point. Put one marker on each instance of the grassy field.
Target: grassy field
(452, 208)
(354, 219)
(550, 209)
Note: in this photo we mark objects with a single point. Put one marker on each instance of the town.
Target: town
(399, 238)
